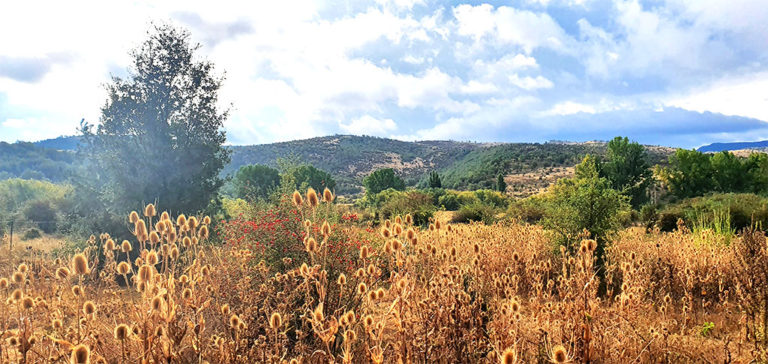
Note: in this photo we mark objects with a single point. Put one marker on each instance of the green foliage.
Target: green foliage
(476, 212)
(160, 134)
(31, 234)
(344, 156)
(42, 213)
(255, 181)
(381, 180)
(417, 203)
(705, 328)
(501, 186)
(530, 210)
(692, 173)
(449, 201)
(627, 169)
(434, 180)
(743, 210)
(309, 176)
(583, 203)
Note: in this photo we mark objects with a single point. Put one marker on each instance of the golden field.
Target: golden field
(445, 294)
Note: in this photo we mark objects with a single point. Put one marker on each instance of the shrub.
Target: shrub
(449, 201)
(416, 203)
(31, 234)
(42, 213)
(475, 212)
(530, 210)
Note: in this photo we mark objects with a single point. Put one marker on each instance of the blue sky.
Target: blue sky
(678, 72)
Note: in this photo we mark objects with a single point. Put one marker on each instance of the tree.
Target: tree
(627, 169)
(730, 174)
(584, 203)
(434, 180)
(501, 186)
(160, 134)
(381, 180)
(255, 181)
(689, 173)
(309, 176)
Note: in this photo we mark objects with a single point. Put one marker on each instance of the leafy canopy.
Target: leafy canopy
(627, 169)
(255, 181)
(381, 180)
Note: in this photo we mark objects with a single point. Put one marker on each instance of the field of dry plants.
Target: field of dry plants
(446, 294)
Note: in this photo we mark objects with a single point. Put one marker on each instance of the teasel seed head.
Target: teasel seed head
(327, 195)
(559, 355)
(149, 210)
(133, 217)
(312, 198)
(122, 331)
(275, 321)
(18, 277)
(80, 264)
(81, 354)
(89, 308)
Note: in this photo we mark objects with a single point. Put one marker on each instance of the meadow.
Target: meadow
(306, 281)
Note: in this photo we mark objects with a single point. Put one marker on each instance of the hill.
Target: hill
(350, 158)
(29, 161)
(527, 167)
(719, 147)
(61, 143)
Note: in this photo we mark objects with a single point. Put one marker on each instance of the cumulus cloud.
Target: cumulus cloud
(368, 125)
(411, 68)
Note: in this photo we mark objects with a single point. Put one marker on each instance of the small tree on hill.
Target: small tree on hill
(501, 186)
(381, 180)
(434, 180)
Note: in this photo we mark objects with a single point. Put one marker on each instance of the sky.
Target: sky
(680, 73)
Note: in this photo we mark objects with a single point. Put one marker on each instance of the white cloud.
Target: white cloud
(530, 83)
(743, 96)
(569, 108)
(508, 25)
(368, 125)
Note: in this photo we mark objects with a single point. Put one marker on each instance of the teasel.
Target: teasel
(275, 321)
(327, 195)
(149, 210)
(133, 217)
(81, 354)
(80, 264)
(312, 198)
(126, 246)
(326, 229)
(18, 277)
(122, 332)
(509, 356)
(297, 199)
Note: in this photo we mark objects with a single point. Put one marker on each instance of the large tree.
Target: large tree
(160, 134)
(627, 169)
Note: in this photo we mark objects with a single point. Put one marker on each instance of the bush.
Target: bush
(530, 210)
(416, 203)
(42, 213)
(449, 201)
(31, 234)
(745, 209)
(475, 212)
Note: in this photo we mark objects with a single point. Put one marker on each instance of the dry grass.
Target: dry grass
(447, 294)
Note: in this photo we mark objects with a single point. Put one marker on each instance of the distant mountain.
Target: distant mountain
(719, 147)
(60, 143)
